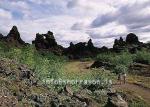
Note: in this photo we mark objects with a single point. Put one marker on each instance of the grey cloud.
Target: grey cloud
(139, 30)
(72, 3)
(102, 20)
(127, 15)
(78, 26)
(94, 35)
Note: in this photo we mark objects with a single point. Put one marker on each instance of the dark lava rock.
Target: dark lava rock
(119, 45)
(14, 36)
(25, 72)
(47, 42)
(81, 50)
(132, 44)
(1, 36)
(99, 64)
(115, 100)
(132, 39)
(21, 87)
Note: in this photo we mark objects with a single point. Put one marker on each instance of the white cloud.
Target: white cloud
(5, 14)
(110, 30)
(20, 5)
(70, 20)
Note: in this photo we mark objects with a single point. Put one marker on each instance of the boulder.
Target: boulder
(25, 73)
(99, 64)
(68, 90)
(82, 98)
(115, 100)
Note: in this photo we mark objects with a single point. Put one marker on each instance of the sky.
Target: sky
(77, 20)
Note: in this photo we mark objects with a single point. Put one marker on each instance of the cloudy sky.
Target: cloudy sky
(77, 20)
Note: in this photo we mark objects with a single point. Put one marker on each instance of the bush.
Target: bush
(142, 57)
(120, 69)
(123, 59)
(104, 57)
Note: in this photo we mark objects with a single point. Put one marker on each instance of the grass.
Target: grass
(77, 70)
(139, 80)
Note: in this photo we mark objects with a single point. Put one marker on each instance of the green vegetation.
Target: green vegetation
(45, 65)
(142, 56)
(123, 60)
(48, 66)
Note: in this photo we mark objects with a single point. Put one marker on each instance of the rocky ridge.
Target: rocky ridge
(47, 42)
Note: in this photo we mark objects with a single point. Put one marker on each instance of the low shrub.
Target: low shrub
(142, 57)
(120, 69)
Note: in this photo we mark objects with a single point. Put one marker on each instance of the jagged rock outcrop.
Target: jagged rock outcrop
(104, 49)
(81, 50)
(132, 39)
(132, 44)
(1, 36)
(13, 37)
(47, 42)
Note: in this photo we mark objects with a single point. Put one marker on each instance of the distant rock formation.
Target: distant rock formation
(13, 37)
(47, 42)
(81, 50)
(119, 45)
(1, 36)
(132, 39)
(132, 44)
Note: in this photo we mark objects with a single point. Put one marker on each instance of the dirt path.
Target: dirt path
(144, 93)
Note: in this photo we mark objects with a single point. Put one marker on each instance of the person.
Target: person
(119, 78)
(124, 77)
